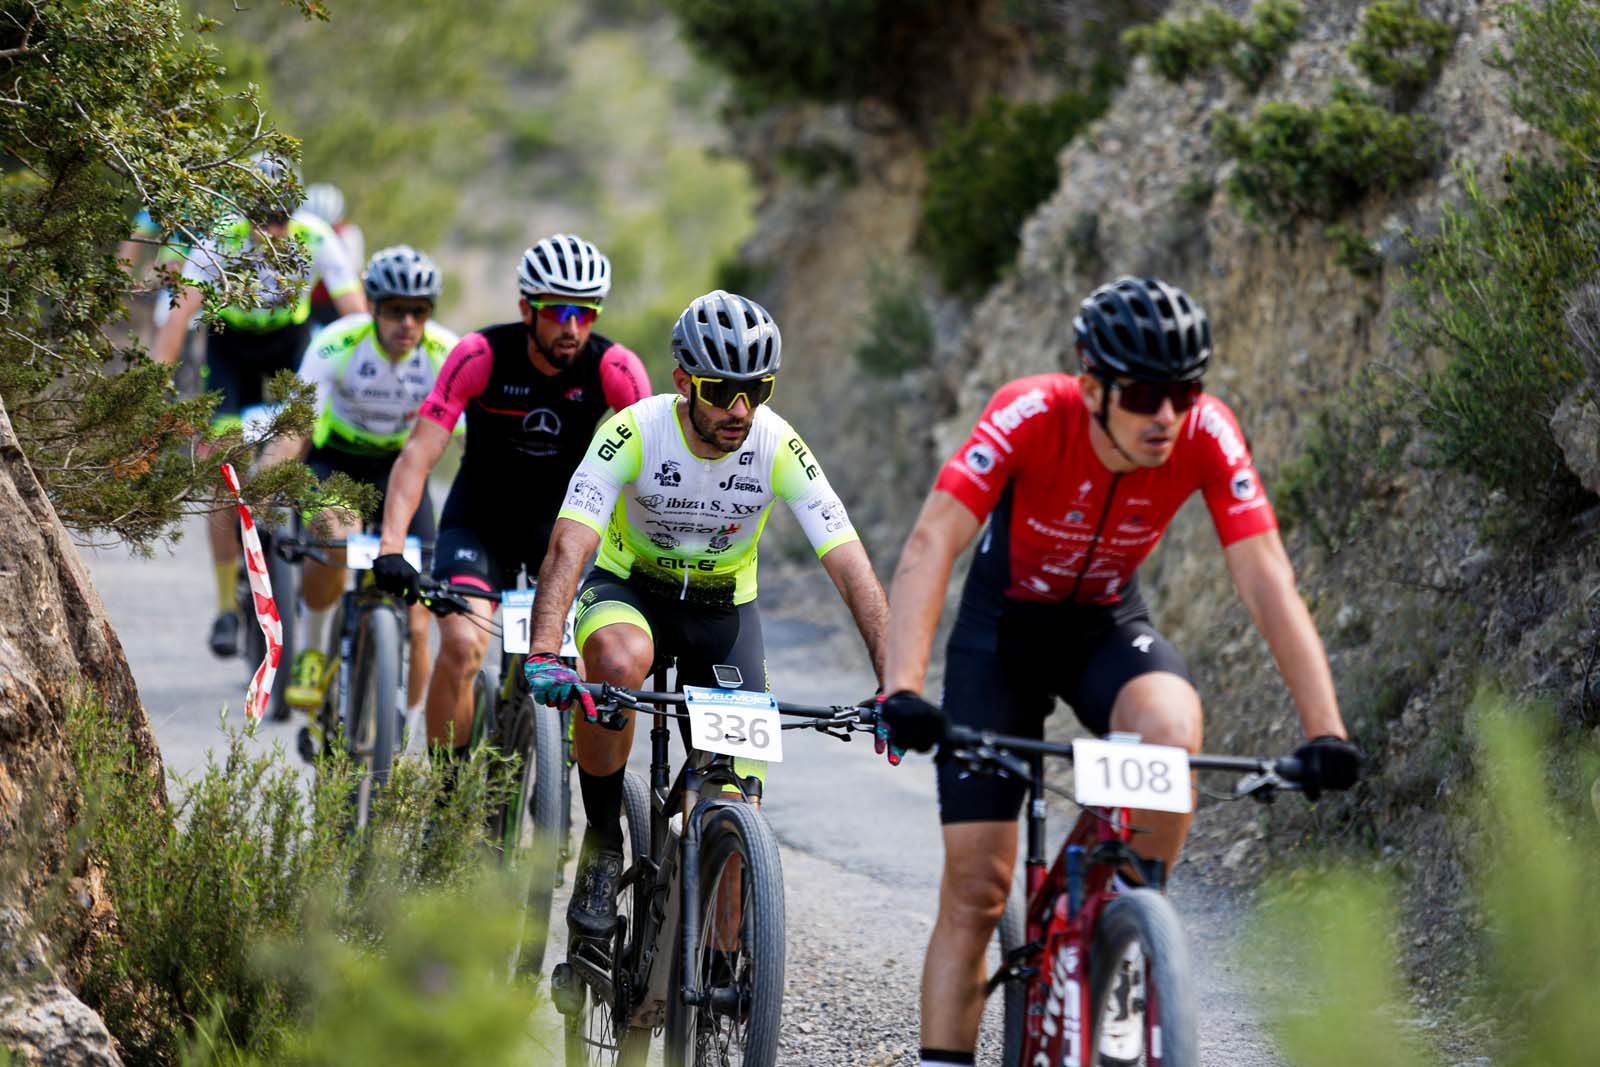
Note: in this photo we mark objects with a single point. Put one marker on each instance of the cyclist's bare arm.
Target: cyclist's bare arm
(282, 448)
(858, 585)
(168, 343)
(943, 531)
(407, 480)
(1265, 579)
(571, 546)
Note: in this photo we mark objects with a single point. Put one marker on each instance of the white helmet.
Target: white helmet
(325, 201)
(565, 265)
(401, 270)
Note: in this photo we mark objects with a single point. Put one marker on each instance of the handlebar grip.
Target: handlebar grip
(1289, 768)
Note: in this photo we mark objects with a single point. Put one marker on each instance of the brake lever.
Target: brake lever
(1263, 788)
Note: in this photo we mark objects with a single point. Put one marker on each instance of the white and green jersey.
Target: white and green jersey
(328, 261)
(685, 526)
(367, 402)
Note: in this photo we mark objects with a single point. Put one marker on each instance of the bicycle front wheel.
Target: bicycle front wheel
(1141, 993)
(530, 823)
(372, 717)
(1012, 935)
(738, 964)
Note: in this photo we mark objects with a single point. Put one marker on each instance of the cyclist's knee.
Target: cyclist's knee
(974, 899)
(621, 659)
(1163, 709)
(460, 649)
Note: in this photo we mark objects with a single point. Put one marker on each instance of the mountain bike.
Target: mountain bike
(1094, 977)
(532, 828)
(364, 689)
(698, 950)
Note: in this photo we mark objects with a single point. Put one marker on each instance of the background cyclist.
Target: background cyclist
(326, 202)
(372, 373)
(252, 344)
(1078, 478)
(674, 492)
(532, 391)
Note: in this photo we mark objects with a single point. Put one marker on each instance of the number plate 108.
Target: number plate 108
(1116, 774)
(735, 722)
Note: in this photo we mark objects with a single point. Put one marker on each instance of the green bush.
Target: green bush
(246, 859)
(899, 331)
(815, 160)
(1298, 162)
(783, 49)
(1353, 450)
(1188, 47)
(1538, 860)
(1354, 250)
(1489, 292)
(1554, 67)
(1400, 48)
(986, 178)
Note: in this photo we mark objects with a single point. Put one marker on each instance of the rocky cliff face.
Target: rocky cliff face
(1414, 612)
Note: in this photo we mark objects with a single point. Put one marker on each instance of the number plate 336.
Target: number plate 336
(1117, 774)
(735, 722)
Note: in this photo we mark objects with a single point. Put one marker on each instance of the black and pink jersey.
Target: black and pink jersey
(526, 431)
(1064, 528)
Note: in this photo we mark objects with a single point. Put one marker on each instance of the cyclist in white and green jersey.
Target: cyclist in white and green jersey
(253, 343)
(372, 373)
(674, 492)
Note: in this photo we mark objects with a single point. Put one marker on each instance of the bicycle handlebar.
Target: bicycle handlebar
(986, 750)
(443, 598)
(836, 720)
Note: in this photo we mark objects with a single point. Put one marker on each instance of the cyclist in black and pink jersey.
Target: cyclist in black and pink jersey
(1078, 477)
(532, 392)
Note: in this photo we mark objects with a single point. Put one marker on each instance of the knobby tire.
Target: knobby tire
(1012, 933)
(1146, 917)
(531, 823)
(702, 1036)
(372, 726)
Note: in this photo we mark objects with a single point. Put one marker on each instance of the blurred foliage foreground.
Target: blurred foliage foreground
(1340, 996)
(250, 927)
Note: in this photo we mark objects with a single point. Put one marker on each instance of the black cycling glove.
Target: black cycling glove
(912, 722)
(1328, 762)
(393, 573)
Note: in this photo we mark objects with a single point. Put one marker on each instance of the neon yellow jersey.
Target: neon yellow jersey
(367, 402)
(327, 257)
(687, 527)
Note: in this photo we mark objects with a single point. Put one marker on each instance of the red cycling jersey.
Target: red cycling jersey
(1076, 530)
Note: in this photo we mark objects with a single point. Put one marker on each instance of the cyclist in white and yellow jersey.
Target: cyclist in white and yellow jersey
(253, 343)
(674, 493)
(372, 373)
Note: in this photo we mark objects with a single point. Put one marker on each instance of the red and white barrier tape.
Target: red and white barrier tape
(260, 691)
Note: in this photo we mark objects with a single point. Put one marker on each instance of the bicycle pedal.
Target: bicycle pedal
(566, 991)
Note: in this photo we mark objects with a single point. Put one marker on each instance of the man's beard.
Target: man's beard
(706, 428)
(556, 360)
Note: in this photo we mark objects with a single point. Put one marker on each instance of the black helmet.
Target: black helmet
(1145, 329)
(724, 335)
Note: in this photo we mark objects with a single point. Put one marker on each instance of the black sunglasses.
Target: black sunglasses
(1144, 398)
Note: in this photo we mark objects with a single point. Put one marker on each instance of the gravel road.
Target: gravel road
(860, 840)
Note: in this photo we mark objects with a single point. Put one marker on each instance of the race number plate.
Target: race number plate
(1116, 774)
(735, 722)
(516, 623)
(360, 549)
(516, 619)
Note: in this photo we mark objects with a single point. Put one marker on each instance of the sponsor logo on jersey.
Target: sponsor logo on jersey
(1213, 422)
(738, 508)
(542, 421)
(672, 563)
(651, 502)
(367, 369)
(723, 538)
(1143, 643)
(517, 390)
(616, 537)
(800, 454)
(980, 459)
(664, 541)
(740, 483)
(1244, 484)
(608, 447)
(1085, 489)
(468, 554)
(1073, 518)
(1021, 410)
(681, 527)
(1036, 583)
(746, 458)
(586, 495)
(575, 394)
(669, 474)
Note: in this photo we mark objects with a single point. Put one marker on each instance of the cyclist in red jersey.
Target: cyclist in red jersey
(1078, 477)
(532, 392)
